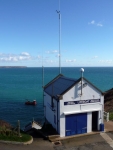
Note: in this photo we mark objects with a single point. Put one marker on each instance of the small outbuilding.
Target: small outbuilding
(73, 106)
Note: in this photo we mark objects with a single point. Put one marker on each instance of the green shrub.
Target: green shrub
(7, 133)
(111, 116)
(3, 132)
(2, 128)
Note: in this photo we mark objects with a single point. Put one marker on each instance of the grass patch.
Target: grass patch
(24, 137)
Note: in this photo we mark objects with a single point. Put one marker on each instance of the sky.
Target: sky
(29, 33)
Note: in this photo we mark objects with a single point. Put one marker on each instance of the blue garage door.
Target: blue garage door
(76, 124)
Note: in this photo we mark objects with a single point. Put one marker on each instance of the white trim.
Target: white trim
(91, 104)
(89, 122)
(76, 112)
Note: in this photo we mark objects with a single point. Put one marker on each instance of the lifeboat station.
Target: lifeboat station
(73, 106)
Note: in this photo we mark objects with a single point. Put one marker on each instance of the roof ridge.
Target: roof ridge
(58, 76)
(68, 78)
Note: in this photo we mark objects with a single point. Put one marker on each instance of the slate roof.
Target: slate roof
(61, 84)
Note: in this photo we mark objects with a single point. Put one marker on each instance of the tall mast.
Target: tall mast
(58, 11)
(43, 79)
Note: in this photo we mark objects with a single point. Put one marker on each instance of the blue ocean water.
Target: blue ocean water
(19, 84)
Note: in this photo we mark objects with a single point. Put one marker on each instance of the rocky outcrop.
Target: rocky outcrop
(108, 101)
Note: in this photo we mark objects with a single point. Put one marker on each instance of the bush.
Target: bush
(5, 124)
(2, 132)
(7, 133)
(111, 116)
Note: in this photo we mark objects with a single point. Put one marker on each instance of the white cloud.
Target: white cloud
(99, 24)
(49, 61)
(92, 22)
(25, 54)
(52, 52)
(95, 23)
(14, 57)
(70, 60)
(106, 61)
(9, 58)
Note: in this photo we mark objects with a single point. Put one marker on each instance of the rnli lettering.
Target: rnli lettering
(82, 102)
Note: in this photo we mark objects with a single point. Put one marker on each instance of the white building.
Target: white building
(73, 106)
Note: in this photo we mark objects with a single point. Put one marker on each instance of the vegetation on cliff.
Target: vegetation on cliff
(8, 133)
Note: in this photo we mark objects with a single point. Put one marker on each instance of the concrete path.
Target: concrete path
(107, 138)
(89, 142)
(38, 144)
(108, 126)
(85, 143)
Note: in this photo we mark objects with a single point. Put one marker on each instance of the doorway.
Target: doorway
(95, 121)
(76, 124)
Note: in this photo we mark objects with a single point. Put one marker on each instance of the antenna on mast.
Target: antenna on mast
(81, 70)
(58, 11)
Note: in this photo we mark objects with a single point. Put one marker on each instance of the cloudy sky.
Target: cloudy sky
(29, 33)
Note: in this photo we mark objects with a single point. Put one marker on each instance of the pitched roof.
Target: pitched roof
(61, 84)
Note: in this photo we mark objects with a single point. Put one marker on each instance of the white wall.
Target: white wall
(62, 125)
(58, 117)
(89, 92)
(89, 122)
(49, 114)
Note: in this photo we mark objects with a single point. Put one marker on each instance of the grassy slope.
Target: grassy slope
(7, 134)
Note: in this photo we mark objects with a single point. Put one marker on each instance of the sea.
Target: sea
(17, 85)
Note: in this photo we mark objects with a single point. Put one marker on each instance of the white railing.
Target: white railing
(106, 116)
